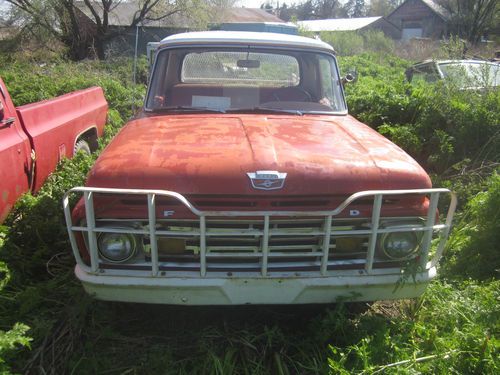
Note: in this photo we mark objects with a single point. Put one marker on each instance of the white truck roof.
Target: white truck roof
(244, 37)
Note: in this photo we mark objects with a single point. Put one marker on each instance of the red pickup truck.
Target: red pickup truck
(245, 181)
(34, 138)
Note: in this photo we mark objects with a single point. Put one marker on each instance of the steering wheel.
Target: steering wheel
(307, 97)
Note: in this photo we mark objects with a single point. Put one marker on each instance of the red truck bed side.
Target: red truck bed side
(53, 126)
(47, 130)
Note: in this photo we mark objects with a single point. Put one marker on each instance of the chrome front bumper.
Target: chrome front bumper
(242, 291)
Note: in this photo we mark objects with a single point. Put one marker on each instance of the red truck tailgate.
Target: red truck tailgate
(54, 125)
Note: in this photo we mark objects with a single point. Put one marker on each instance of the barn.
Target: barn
(420, 19)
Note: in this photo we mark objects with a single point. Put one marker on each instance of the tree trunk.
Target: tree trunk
(99, 48)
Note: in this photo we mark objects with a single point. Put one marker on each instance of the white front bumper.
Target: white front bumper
(240, 291)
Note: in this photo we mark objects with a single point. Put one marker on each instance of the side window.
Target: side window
(158, 81)
(330, 90)
(3, 107)
(425, 74)
(326, 75)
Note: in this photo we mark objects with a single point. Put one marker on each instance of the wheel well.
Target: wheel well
(90, 136)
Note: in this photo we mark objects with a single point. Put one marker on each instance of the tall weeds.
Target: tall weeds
(49, 325)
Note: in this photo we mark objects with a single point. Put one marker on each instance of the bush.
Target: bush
(29, 82)
(348, 43)
(9, 341)
(473, 245)
(440, 125)
(345, 43)
(450, 329)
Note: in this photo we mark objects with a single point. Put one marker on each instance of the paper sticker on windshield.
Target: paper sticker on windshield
(214, 102)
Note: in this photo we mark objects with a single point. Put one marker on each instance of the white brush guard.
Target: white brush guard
(206, 287)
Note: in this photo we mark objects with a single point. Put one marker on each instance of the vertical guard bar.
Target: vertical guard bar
(429, 222)
(446, 232)
(152, 234)
(89, 213)
(72, 239)
(203, 258)
(327, 227)
(265, 247)
(377, 204)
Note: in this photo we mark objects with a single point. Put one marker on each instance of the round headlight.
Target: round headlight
(116, 247)
(399, 245)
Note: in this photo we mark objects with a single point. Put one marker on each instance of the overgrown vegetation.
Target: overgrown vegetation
(49, 325)
(440, 125)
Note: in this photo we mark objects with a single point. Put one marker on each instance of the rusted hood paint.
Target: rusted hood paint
(200, 154)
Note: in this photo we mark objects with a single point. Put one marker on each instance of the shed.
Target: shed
(420, 19)
(352, 24)
(270, 27)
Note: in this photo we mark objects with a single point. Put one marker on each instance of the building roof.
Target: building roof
(432, 5)
(338, 24)
(438, 9)
(122, 14)
(249, 15)
(244, 37)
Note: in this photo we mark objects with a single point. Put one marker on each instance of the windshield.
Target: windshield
(239, 79)
(472, 74)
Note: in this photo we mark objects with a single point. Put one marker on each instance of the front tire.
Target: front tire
(83, 146)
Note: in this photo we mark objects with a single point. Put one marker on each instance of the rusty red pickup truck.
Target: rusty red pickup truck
(35, 137)
(245, 181)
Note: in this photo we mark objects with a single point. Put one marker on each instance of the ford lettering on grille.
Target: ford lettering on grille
(267, 180)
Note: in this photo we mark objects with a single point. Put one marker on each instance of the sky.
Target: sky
(245, 3)
(250, 3)
(3, 5)
(257, 3)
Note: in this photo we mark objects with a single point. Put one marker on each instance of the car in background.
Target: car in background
(466, 74)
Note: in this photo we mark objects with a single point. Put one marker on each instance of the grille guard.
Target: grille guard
(428, 229)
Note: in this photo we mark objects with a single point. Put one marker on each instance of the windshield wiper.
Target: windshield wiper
(185, 108)
(266, 110)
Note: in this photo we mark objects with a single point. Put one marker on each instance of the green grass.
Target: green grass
(49, 325)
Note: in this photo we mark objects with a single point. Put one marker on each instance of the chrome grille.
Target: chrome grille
(300, 248)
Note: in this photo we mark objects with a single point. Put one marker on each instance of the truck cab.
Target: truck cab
(244, 180)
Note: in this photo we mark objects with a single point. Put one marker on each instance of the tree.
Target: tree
(355, 8)
(285, 12)
(317, 9)
(63, 19)
(472, 19)
(383, 7)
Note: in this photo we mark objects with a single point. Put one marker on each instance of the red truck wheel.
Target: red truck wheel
(83, 146)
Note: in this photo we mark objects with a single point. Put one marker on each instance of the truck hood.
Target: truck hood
(212, 154)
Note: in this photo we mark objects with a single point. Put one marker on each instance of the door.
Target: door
(14, 152)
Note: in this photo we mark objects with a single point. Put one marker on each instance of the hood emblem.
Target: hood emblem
(267, 180)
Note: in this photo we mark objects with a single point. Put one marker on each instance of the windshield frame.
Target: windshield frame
(270, 48)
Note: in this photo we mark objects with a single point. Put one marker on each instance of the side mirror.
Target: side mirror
(350, 77)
